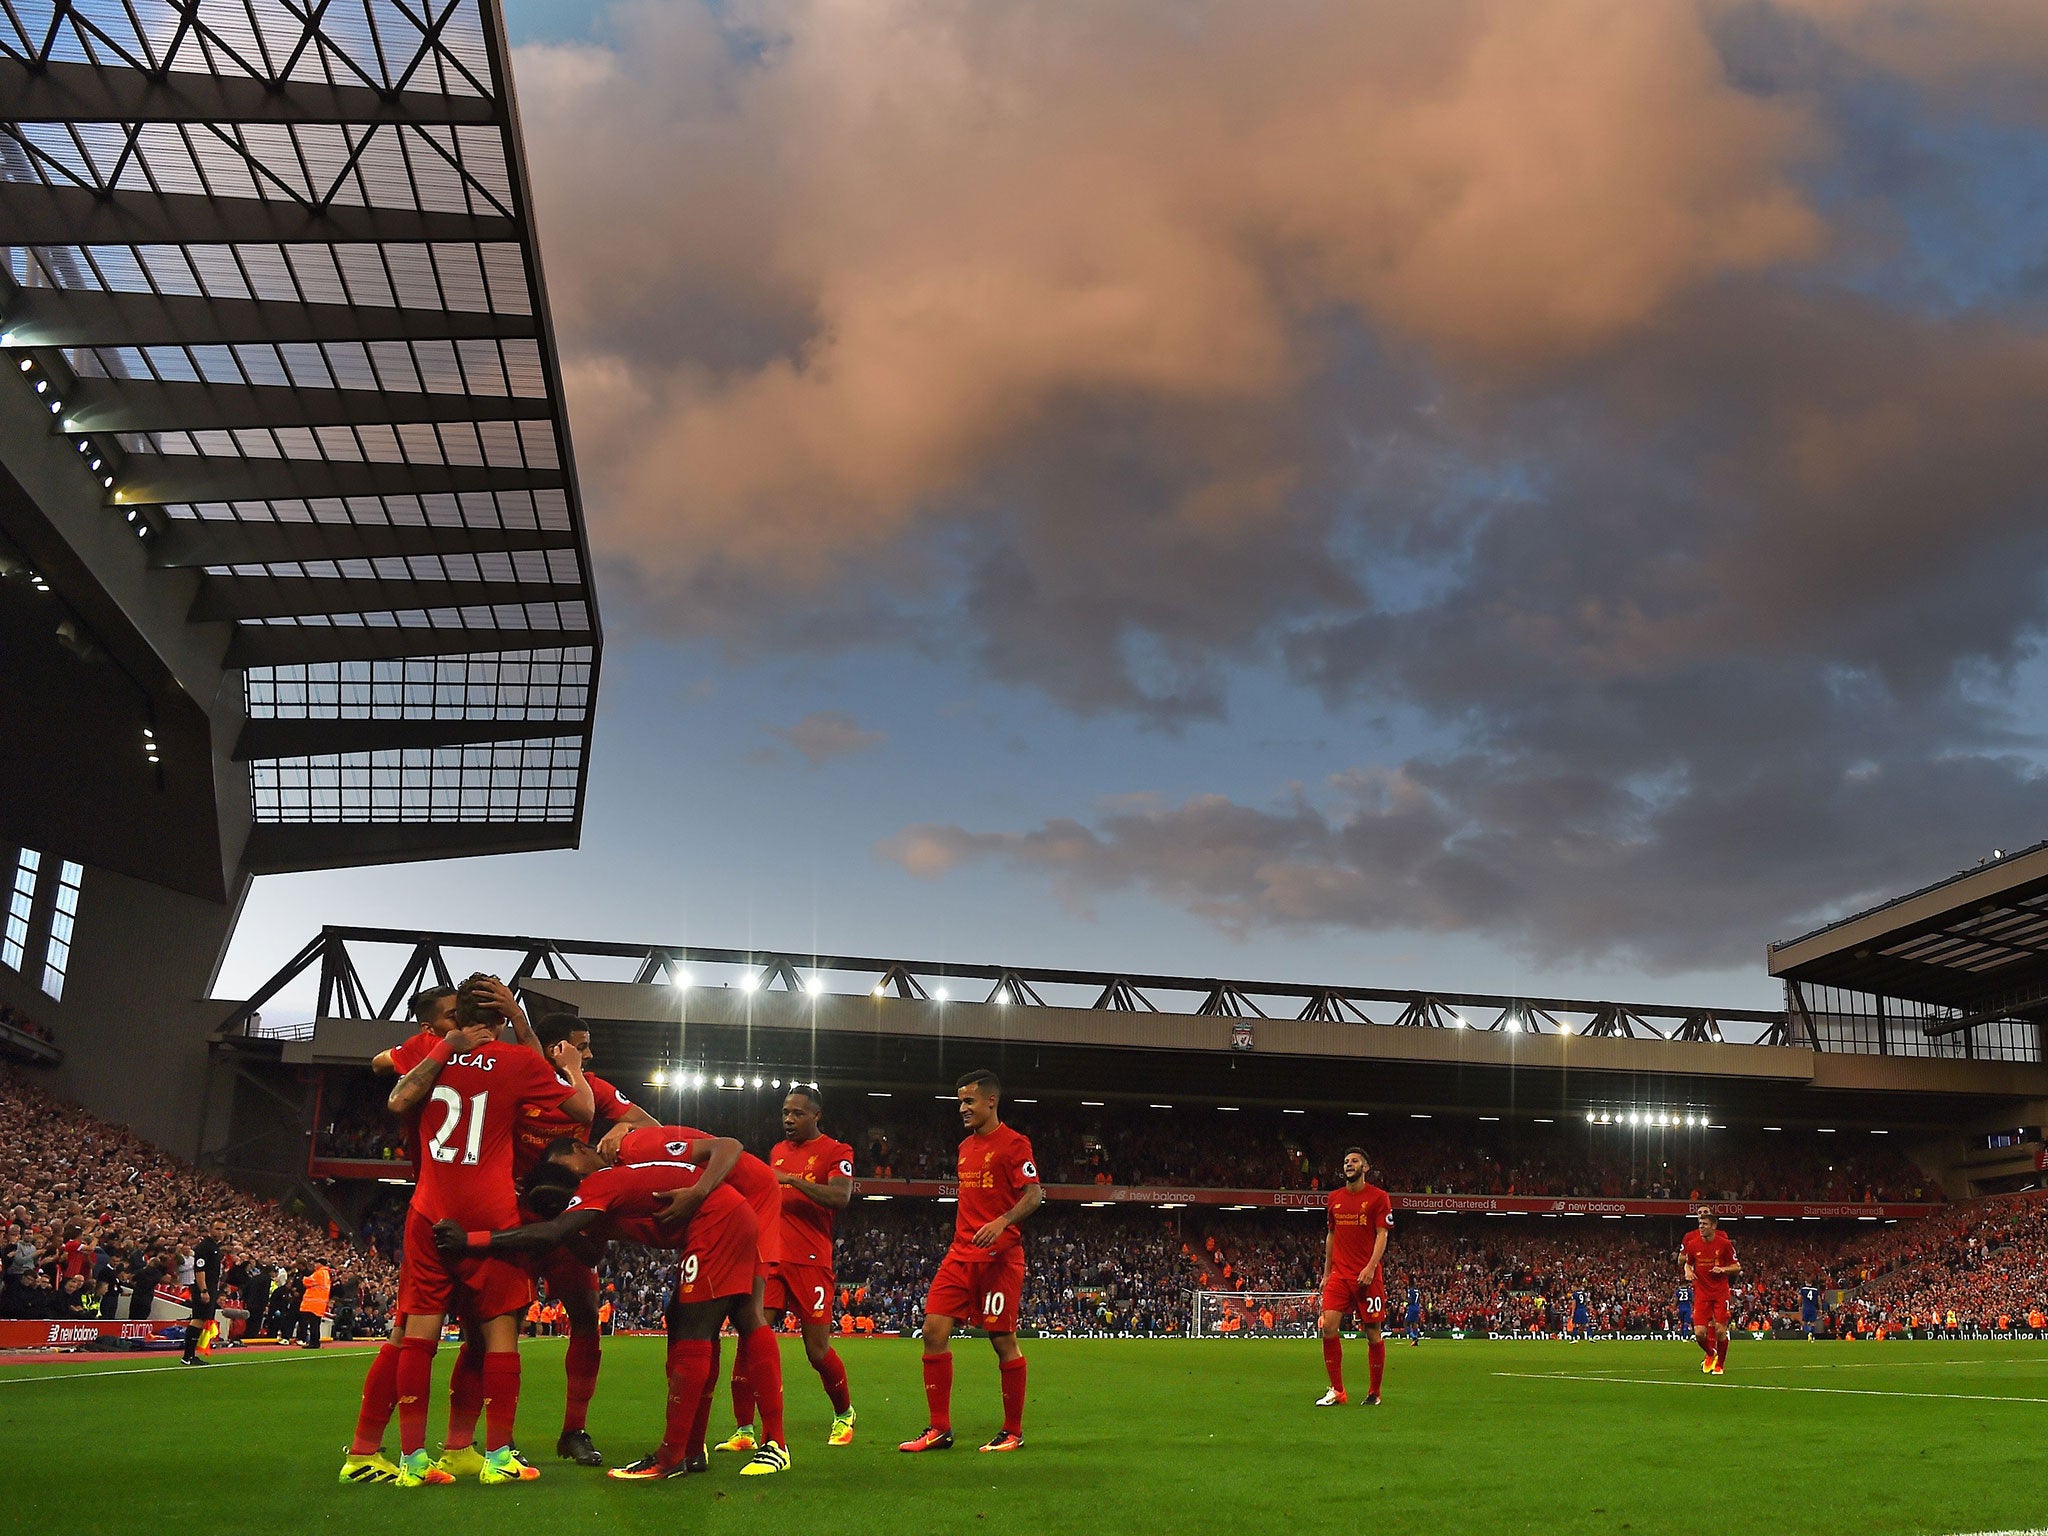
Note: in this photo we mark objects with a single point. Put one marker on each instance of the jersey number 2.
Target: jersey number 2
(442, 1148)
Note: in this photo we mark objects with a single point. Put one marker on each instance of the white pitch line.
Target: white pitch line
(1905, 1365)
(167, 1366)
(1764, 1386)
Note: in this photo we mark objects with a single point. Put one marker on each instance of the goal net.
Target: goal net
(1254, 1314)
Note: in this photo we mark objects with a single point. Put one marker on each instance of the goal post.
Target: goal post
(1254, 1314)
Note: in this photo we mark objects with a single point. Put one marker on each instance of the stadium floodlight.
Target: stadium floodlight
(1226, 1109)
(1003, 995)
(757, 1082)
(1774, 1127)
(1162, 1106)
(1091, 1103)
(42, 385)
(1457, 1019)
(1514, 1023)
(877, 991)
(749, 982)
(814, 986)
(721, 1080)
(1880, 1133)
(681, 980)
(874, 1095)
(774, 1082)
(697, 1080)
(56, 406)
(1825, 1130)
(6, 338)
(659, 1080)
(941, 993)
(27, 363)
(1357, 1114)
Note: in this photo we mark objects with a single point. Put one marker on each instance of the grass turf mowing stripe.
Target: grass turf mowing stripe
(1765, 1386)
(174, 1363)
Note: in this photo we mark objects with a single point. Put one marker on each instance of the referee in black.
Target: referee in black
(205, 1288)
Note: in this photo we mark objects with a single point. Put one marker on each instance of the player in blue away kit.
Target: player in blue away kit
(1581, 1316)
(1685, 1311)
(1809, 1309)
(1413, 1318)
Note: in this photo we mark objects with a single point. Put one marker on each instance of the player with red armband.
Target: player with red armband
(469, 1091)
(981, 1279)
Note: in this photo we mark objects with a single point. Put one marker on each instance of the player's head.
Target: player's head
(1707, 1219)
(1356, 1164)
(553, 1028)
(980, 1092)
(433, 1008)
(565, 1160)
(801, 1111)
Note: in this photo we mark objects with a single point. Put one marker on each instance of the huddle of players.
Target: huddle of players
(510, 1188)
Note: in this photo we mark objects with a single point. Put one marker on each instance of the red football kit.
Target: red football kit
(1356, 1220)
(716, 1245)
(750, 1178)
(982, 1285)
(1710, 1291)
(801, 1279)
(540, 1125)
(465, 1136)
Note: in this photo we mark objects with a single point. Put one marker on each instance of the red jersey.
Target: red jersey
(750, 1178)
(466, 1128)
(538, 1125)
(807, 1225)
(1703, 1253)
(1355, 1222)
(628, 1194)
(995, 1170)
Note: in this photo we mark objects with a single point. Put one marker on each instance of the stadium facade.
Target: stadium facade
(293, 572)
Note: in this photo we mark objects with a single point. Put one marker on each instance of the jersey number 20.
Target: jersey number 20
(442, 1148)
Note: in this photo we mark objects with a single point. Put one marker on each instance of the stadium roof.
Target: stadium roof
(271, 270)
(1975, 943)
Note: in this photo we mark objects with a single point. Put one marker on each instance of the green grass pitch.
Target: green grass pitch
(1123, 1436)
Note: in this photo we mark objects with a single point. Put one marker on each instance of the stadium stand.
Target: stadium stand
(93, 1212)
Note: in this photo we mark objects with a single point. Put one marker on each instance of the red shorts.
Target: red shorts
(476, 1286)
(719, 1256)
(1709, 1309)
(1368, 1301)
(805, 1289)
(983, 1291)
(566, 1275)
(768, 1223)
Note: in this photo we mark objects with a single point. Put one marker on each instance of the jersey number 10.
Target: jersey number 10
(442, 1147)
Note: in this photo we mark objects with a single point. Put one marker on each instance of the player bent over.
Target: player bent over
(816, 1178)
(471, 1092)
(716, 1243)
(1361, 1216)
(1710, 1265)
(981, 1278)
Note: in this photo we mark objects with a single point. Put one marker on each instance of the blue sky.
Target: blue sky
(1184, 548)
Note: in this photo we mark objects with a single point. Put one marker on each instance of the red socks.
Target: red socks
(702, 1422)
(762, 1358)
(832, 1372)
(584, 1354)
(742, 1390)
(380, 1396)
(1708, 1346)
(1375, 1364)
(465, 1394)
(1013, 1396)
(690, 1367)
(415, 1376)
(1721, 1350)
(938, 1391)
(1333, 1362)
(501, 1397)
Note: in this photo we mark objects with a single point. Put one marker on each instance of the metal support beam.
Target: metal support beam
(300, 645)
(188, 543)
(87, 317)
(324, 738)
(161, 479)
(277, 849)
(145, 405)
(268, 597)
(68, 92)
(33, 214)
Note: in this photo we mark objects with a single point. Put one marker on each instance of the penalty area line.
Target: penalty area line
(170, 1365)
(1764, 1386)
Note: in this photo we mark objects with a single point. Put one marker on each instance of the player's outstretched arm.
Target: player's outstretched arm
(412, 1089)
(536, 1237)
(719, 1156)
(1032, 1198)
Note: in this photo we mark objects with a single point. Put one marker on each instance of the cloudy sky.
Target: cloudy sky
(1513, 496)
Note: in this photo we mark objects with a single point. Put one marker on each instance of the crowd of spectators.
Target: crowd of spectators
(98, 1223)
